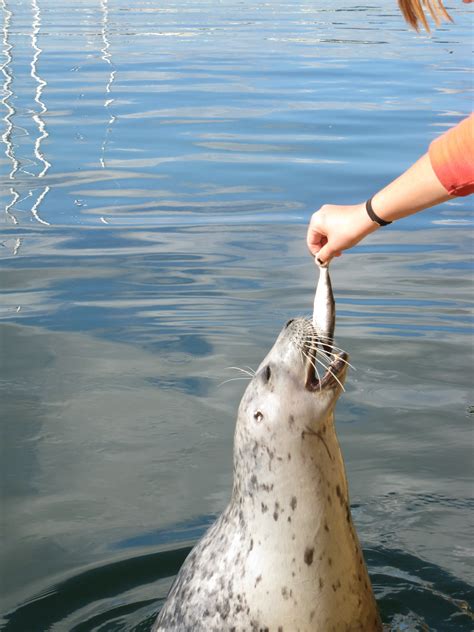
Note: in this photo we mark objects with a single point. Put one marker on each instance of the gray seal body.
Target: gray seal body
(284, 555)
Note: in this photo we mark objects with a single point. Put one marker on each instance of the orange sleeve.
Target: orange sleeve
(452, 158)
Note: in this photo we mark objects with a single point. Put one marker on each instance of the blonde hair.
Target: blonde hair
(414, 12)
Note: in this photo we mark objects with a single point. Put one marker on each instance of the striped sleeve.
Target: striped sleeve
(452, 158)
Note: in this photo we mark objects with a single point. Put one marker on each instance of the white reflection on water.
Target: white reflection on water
(10, 111)
(107, 57)
(36, 205)
(7, 92)
(15, 197)
(41, 83)
(18, 190)
(38, 116)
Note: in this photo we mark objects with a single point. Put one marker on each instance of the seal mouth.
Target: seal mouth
(313, 348)
(332, 376)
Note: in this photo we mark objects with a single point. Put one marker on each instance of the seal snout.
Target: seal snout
(301, 336)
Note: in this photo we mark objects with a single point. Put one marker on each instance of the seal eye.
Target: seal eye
(258, 416)
(267, 372)
(292, 320)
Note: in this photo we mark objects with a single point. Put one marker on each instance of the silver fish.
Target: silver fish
(324, 311)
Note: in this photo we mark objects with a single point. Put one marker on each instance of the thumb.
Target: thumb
(325, 255)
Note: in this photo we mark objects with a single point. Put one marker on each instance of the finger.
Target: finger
(325, 255)
(314, 249)
(321, 264)
(313, 237)
(315, 242)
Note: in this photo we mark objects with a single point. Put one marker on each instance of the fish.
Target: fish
(324, 310)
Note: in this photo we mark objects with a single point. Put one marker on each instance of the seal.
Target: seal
(284, 555)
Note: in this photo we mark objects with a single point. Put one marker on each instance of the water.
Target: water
(160, 163)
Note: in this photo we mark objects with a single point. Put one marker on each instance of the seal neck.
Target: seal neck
(309, 460)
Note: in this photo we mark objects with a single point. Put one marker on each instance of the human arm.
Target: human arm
(334, 228)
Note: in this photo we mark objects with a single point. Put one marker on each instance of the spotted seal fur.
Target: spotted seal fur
(284, 555)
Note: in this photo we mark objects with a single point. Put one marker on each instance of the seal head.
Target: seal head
(284, 555)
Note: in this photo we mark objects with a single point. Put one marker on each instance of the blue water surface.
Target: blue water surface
(160, 163)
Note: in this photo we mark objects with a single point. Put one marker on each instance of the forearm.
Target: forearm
(335, 228)
(416, 189)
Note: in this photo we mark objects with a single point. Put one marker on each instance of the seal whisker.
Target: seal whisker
(319, 361)
(232, 379)
(308, 346)
(306, 355)
(328, 342)
(337, 380)
(328, 346)
(237, 368)
(334, 355)
(328, 368)
(313, 360)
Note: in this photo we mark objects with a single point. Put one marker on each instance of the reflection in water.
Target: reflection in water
(7, 93)
(15, 197)
(36, 205)
(41, 83)
(10, 111)
(38, 116)
(107, 57)
(16, 248)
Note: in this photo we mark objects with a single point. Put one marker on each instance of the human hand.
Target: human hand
(333, 229)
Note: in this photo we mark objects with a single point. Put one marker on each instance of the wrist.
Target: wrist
(373, 215)
(366, 224)
(382, 207)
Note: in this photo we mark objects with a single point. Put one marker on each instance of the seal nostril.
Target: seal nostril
(292, 320)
